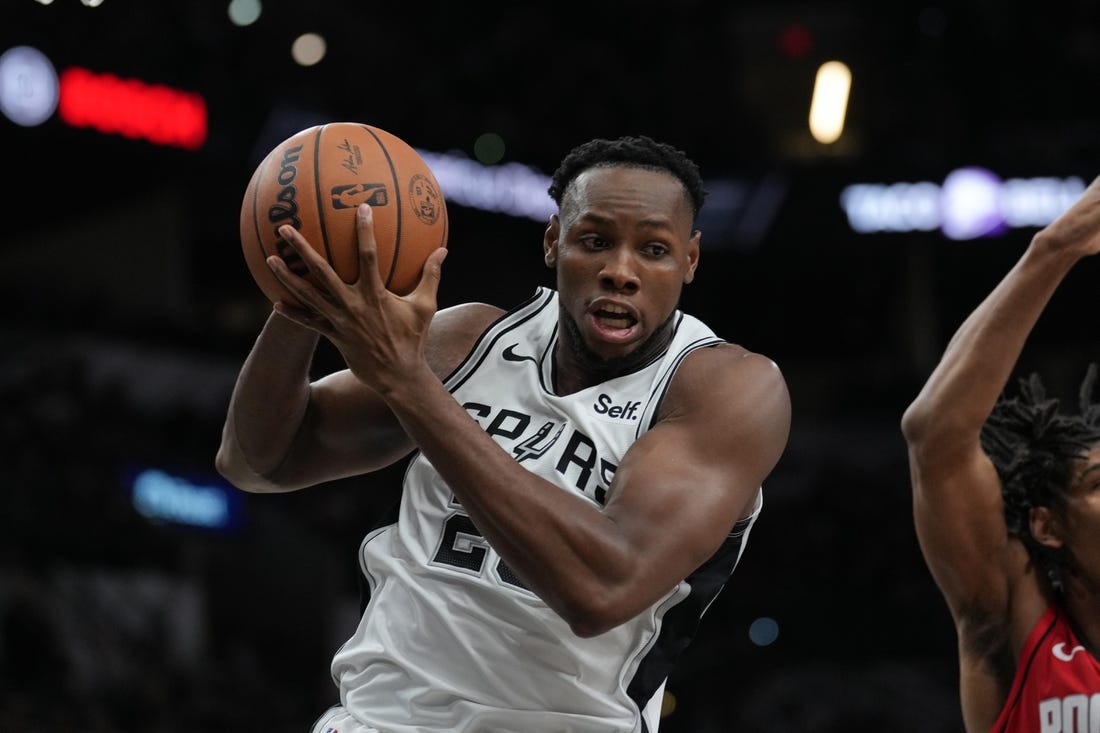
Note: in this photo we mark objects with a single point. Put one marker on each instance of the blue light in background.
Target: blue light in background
(764, 631)
(163, 497)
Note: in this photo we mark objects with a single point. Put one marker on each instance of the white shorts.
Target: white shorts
(338, 720)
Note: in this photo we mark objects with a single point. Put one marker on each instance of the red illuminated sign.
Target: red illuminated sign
(132, 108)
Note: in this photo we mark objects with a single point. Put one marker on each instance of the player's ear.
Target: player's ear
(550, 241)
(692, 255)
(1045, 526)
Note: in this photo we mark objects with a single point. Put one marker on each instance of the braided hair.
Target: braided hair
(1035, 449)
(634, 152)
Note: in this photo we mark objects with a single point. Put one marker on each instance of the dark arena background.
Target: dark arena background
(140, 592)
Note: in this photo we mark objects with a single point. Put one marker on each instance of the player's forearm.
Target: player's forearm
(563, 548)
(268, 404)
(980, 358)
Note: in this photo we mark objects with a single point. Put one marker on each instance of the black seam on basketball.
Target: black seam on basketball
(256, 223)
(317, 193)
(397, 202)
(446, 220)
(255, 209)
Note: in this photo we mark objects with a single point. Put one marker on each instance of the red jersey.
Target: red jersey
(1057, 684)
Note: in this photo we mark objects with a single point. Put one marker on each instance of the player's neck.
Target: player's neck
(577, 367)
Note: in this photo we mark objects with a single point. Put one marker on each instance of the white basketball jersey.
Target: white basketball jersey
(450, 639)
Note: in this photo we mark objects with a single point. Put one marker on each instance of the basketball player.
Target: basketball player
(585, 466)
(1006, 495)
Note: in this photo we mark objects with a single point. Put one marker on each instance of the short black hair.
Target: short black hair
(1035, 448)
(631, 151)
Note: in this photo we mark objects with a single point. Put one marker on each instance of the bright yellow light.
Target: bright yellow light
(830, 101)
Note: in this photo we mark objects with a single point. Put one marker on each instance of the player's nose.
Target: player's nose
(619, 270)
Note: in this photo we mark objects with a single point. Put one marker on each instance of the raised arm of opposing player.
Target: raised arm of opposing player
(956, 492)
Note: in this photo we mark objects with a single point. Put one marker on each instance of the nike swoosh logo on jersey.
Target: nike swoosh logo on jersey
(1059, 651)
(510, 354)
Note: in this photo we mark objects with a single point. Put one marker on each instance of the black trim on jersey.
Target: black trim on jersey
(548, 368)
(483, 347)
(387, 519)
(665, 381)
(681, 622)
(1022, 673)
(679, 316)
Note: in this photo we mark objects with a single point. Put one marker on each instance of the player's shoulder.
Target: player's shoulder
(728, 374)
(466, 318)
(726, 362)
(455, 330)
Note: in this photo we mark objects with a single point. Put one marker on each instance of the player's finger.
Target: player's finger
(299, 287)
(319, 268)
(368, 248)
(303, 290)
(428, 287)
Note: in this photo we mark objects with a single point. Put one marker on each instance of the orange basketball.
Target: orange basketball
(314, 181)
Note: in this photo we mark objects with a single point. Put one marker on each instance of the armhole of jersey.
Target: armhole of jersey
(520, 314)
(1027, 655)
(660, 388)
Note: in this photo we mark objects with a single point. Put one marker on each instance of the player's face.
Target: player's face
(1082, 519)
(624, 247)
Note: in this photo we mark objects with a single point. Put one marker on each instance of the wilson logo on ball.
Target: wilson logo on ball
(285, 208)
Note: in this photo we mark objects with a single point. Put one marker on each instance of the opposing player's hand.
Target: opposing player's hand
(380, 334)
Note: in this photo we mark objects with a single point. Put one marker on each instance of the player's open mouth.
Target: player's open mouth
(613, 322)
(614, 316)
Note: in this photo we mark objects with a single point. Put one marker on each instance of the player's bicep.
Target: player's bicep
(684, 484)
(674, 506)
(347, 430)
(959, 518)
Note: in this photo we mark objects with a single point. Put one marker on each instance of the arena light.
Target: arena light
(28, 86)
(971, 202)
(132, 108)
(829, 104)
(510, 188)
(308, 49)
(244, 12)
(764, 631)
(737, 215)
(163, 497)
